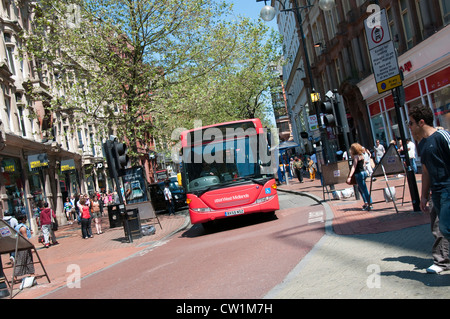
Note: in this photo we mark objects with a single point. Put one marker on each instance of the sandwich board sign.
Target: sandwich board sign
(382, 52)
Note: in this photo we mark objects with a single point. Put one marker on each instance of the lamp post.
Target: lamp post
(268, 13)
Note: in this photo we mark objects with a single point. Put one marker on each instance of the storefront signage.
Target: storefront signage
(382, 53)
(313, 122)
(67, 165)
(8, 166)
(37, 161)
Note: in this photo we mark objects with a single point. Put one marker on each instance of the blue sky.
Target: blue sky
(251, 9)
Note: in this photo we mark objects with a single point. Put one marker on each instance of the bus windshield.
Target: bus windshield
(223, 163)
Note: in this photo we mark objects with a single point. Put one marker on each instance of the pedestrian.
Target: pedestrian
(97, 214)
(356, 151)
(440, 249)
(45, 218)
(298, 168)
(86, 231)
(24, 259)
(434, 151)
(312, 167)
(168, 198)
(367, 165)
(68, 210)
(73, 211)
(379, 151)
(11, 219)
(412, 154)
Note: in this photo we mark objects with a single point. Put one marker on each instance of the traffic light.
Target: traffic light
(116, 157)
(328, 114)
(119, 153)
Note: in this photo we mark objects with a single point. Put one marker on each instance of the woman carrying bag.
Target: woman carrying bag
(358, 171)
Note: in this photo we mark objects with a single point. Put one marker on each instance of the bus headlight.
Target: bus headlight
(202, 210)
(264, 199)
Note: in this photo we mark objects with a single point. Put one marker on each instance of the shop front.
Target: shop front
(32, 174)
(426, 70)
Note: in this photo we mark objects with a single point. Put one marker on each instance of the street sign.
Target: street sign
(382, 52)
(377, 29)
(313, 122)
(385, 67)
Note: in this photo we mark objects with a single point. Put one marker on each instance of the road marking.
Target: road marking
(315, 217)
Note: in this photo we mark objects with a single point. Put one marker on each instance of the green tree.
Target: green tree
(147, 67)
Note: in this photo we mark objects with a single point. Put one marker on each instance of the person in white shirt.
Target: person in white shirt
(168, 198)
(379, 151)
(412, 154)
(367, 166)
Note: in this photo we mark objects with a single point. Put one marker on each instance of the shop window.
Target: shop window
(393, 123)
(36, 182)
(441, 105)
(14, 186)
(379, 129)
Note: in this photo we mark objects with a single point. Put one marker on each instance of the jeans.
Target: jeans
(413, 164)
(441, 246)
(170, 207)
(361, 181)
(441, 202)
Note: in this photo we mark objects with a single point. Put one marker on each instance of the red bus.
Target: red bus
(227, 170)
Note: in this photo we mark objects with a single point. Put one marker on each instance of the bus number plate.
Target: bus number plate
(234, 212)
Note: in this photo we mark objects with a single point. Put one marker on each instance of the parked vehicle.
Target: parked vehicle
(157, 195)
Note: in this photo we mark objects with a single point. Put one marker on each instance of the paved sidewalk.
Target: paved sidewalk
(349, 218)
(90, 255)
(380, 254)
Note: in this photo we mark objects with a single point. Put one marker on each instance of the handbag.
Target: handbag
(55, 225)
(352, 180)
(28, 282)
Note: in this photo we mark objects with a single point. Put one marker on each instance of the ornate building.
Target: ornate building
(339, 58)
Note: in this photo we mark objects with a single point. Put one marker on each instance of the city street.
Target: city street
(240, 258)
(313, 249)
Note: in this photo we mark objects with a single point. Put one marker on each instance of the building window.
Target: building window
(8, 112)
(80, 139)
(9, 52)
(331, 18)
(406, 20)
(445, 9)
(392, 27)
(338, 71)
(346, 8)
(21, 120)
(66, 137)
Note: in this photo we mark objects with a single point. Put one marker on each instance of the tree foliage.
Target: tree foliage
(147, 67)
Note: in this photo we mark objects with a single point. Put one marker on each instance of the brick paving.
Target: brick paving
(348, 216)
(90, 255)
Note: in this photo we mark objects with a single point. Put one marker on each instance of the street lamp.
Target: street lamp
(326, 5)
(315, 97)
